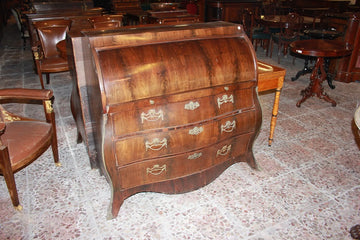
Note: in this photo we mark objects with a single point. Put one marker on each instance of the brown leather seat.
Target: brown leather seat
(23, 140)
(47, 57)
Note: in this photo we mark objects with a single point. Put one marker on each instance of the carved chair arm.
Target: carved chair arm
(37, 50)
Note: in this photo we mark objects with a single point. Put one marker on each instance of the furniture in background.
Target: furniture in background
(271, 77)
(320, 49)
(347, 69)
(46, 55)
(257, 34)
(22, 139)
(106, 21)
(228, 10)
(21, 24)
(175, 115)
(290, 30)
(178, 16)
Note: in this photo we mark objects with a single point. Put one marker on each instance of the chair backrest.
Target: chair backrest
(53, 22)
(49, 37)
(247, 20)
(106, 21)
(17, 17)
(293, 24)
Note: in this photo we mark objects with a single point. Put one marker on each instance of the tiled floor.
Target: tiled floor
(308, 186)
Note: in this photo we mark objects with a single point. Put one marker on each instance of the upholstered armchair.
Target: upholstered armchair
(46, 55)
(23, 139)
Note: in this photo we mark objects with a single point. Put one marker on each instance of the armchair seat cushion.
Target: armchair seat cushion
(54, 64)
(23, 147)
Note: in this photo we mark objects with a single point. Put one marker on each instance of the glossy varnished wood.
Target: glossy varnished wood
(321, 49)
(164, 102)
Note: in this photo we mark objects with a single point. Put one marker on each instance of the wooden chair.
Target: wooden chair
(106, 21)
(256, 34)
(22, 139)
(20, 22)
(290, 31)
(47, 57)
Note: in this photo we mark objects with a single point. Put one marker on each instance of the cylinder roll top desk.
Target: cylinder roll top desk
(172, 106)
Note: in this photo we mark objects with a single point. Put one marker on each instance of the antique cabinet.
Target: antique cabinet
(172, 106)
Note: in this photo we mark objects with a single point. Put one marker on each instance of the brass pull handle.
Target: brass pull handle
(228, 127)
(196, 130)
(156, 169)
(223, 151)
(194, 156)
(156, 144)
(192, 105)
(152, 115)
(225, 99)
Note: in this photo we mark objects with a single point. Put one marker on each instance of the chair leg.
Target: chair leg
(9, 177)
(271, 48)
(47, 78)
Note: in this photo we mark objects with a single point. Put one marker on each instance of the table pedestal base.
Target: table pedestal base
(315, 86)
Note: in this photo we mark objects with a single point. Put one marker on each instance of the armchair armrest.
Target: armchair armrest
(19, 94)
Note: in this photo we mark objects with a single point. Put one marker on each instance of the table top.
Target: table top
(322, 33)
(321, 48)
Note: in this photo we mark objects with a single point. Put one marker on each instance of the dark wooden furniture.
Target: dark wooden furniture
(179, 16)
(106, 21)
(347, 69)
(271, 77)
(23, 140)
(228, 10)
(47, 57)
(172, 106)
(320, 49)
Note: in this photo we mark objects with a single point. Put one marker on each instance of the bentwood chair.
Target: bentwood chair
(47, 57)
(290, 31)
(23, 139)
(106, 21)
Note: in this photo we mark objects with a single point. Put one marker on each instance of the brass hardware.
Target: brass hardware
(152, 115)
(194, 156)
(156, 144)
(156, 169)
(225, 99)
(192, 105)
(196, 130)
(48, 106)
(8, 117)
(224, 150)
(228, 127)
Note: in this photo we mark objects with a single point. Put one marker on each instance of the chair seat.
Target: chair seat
(261, 35)
(38, 136)
(54, 64)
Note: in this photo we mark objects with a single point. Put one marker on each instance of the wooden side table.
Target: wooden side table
(271, 78)
(321, 49)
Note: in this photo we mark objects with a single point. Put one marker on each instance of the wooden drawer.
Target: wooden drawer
(180, 109)
(162, 169)
(175, 141)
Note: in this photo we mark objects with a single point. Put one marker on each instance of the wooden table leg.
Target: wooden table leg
(315, 86)
(275, 111)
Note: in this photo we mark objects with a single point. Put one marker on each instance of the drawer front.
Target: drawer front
(160, 144)
(162, 169)
(180, 109)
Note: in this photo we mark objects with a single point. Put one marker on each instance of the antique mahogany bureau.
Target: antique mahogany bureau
(171, 106)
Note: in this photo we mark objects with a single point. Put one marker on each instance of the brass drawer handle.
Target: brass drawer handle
(192, 105)
(225, 99)
(196, 130)
(156, 144)
(223, 151)
(228, 127)
(156, 169)
(152, 115)
(194, 156)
